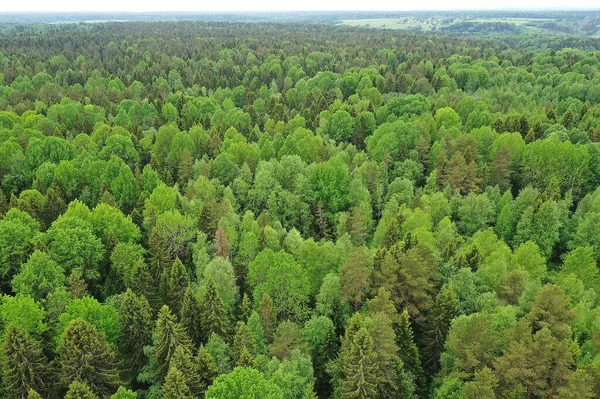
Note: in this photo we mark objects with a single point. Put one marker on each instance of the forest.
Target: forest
(228, 210)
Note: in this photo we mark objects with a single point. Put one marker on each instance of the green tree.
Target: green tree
(80, 390)
(190, 317)
(280, 276)
(24, 367)
(175, 386)
(168, 336)
(244, 346)
(84, 355)
(135, 317)
(213, 315)
(358, 361)
(243, 382)
(39, 276)
(354, 276)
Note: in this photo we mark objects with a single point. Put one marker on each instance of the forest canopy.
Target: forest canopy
(207, 209)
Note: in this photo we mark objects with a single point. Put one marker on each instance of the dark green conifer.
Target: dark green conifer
(23, 364)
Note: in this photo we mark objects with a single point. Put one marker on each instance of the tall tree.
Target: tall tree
(84, 355)
(190, 316)
(168, 335)
(175, 386)
(135, 317)
(214, 317)
(24, 367)
(358, 361)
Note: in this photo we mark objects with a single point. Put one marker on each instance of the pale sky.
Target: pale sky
(286, 5)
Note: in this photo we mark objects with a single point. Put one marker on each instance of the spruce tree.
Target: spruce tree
(144, 285)
(437, 326)
(244, 346)
(183, 361)
(80, 390)
(33, 395)
(268, 316)
(159, 255)
(176, 285)
(409, 352)
(214, 316)
(135, 317)
(358, 361)
(168, 336)
(245, 308)
(175, 386)
(207, 369)
(23, 364)
(77, 286)
(84, 355)
(191, 316)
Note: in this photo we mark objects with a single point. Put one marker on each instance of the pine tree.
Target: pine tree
(268, 316)
(23, 364)
(358, 362)
(437, 326)
(244, 346)
(144, 285)
(191, 316)
(214, 316)
(177, 284)
(80, 390)
(168, 336)
(135, 316)
(175, 386)
(84, 355)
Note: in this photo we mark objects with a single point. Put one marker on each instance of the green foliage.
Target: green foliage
(246, 382)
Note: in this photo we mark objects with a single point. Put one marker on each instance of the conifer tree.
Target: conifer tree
(144, 285)
(185, 168)
(77, 286)
(409, 352)
(358, 362)
(214, 316)
(33, 395)
(183, 361)
(438, 324)
(222, 245)
(167, 337)
(177, 284)
(268, 316)
(207, 369)
(245, 308)
(135, 317)
(175, 386)
(80, 390)
(191, 316)
(23, 364)
(244, 346)
(159, 259)
(84, 355)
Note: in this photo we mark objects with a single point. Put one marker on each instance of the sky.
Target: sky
(279, 5)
